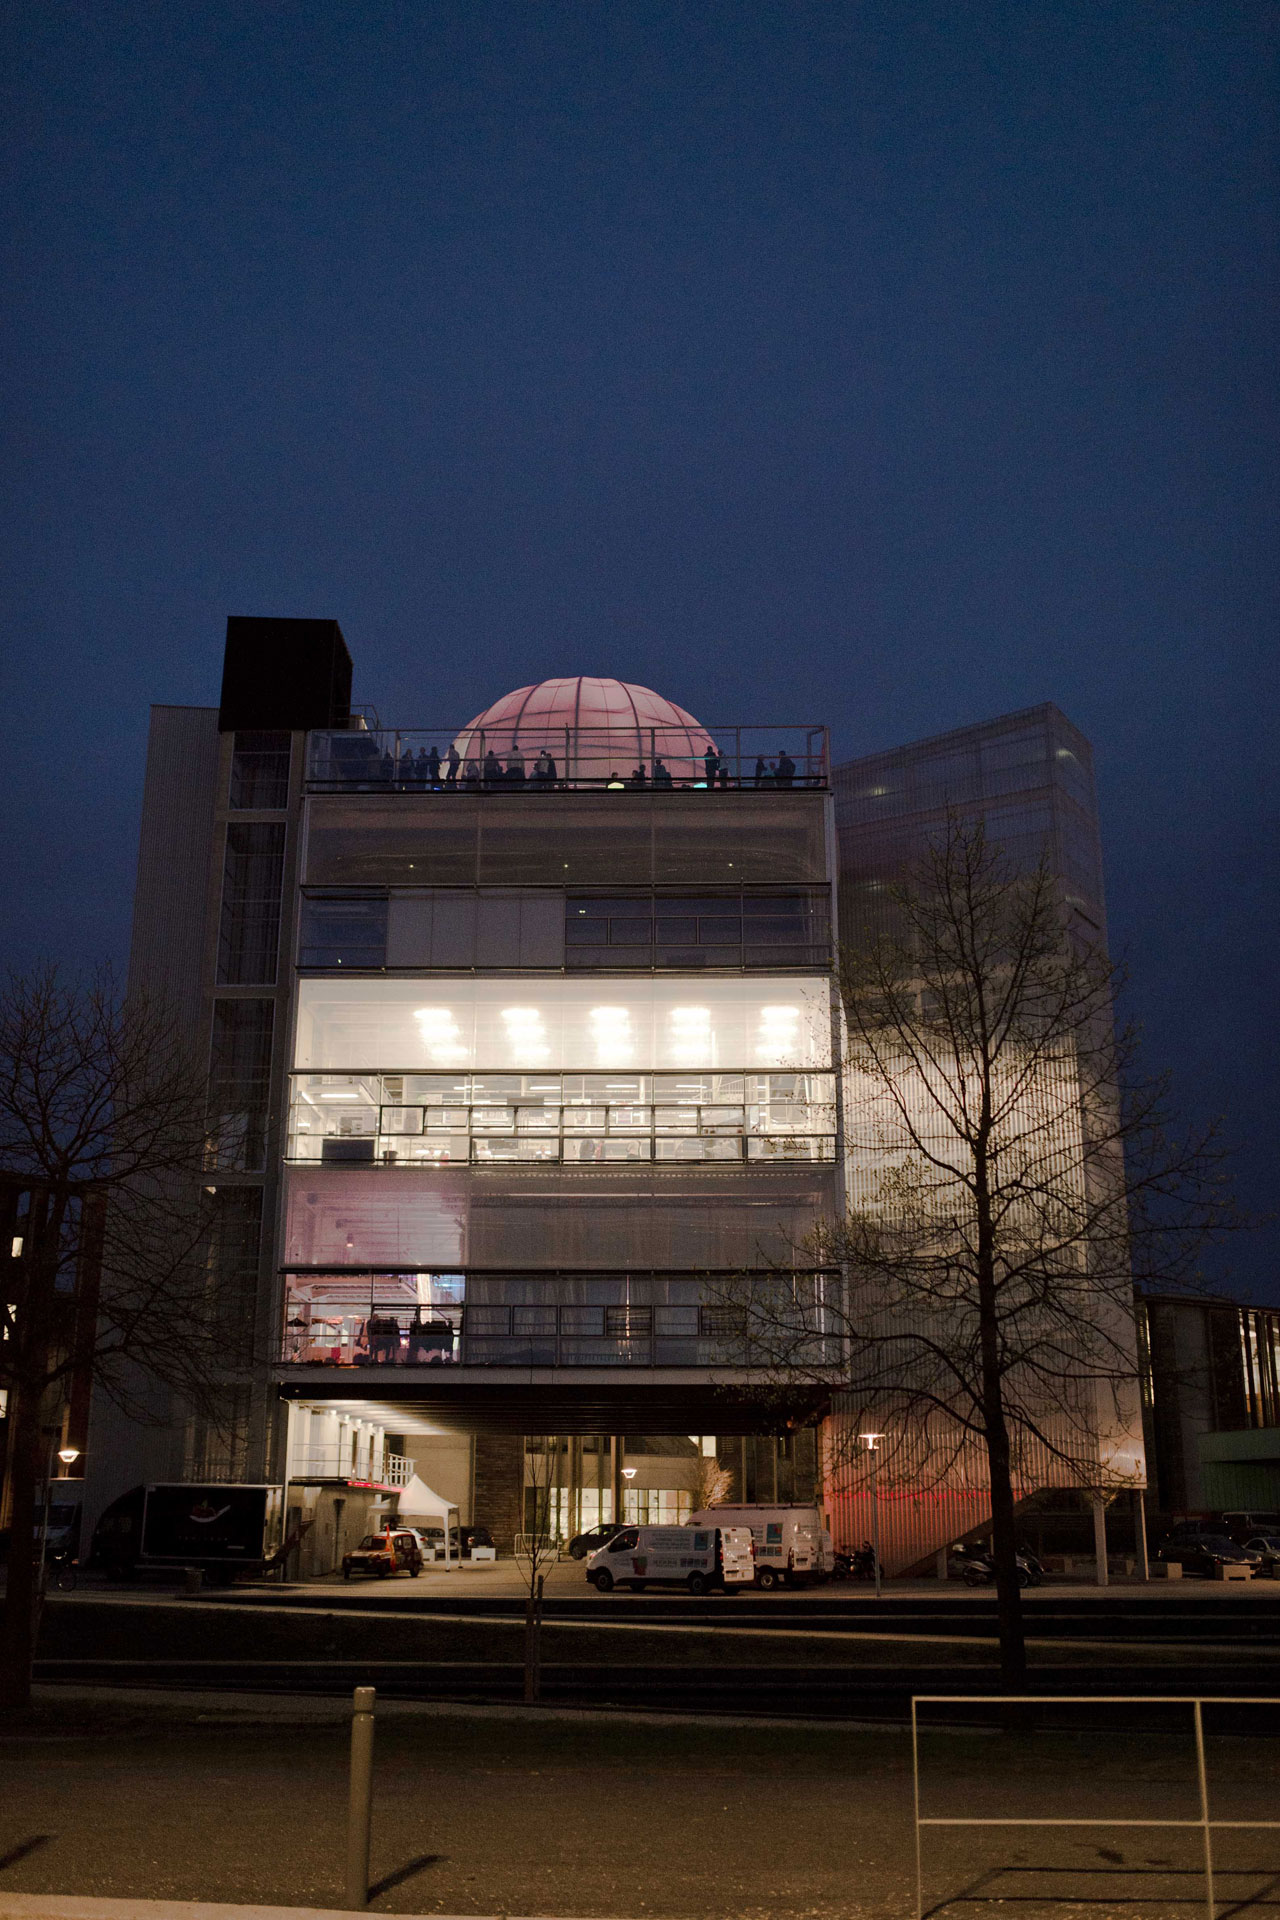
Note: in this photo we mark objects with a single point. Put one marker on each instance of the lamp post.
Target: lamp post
(870, 1442)
(67, 1455)
(628, 1474)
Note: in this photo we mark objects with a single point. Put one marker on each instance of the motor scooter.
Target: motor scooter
(977, 1568)
(863, 1562)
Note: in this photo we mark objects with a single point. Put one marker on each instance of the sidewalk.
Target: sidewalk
(56, 1906)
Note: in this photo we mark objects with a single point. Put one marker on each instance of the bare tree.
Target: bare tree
(1011, 1176)
(102, 1140)
(537, 1548)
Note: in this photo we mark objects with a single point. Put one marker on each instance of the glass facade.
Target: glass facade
(562, 1025)
(495, 840)
(240, 1084)
(751, 930)
(682, 931)
(1029, 776)
(249, 934)
(260, 771)
(538, 1319)
(434, 1120)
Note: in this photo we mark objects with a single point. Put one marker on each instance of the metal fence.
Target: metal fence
(1204, 1825)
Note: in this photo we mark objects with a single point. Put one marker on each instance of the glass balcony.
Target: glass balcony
(550, 1320)
(565, 759)
(437, 1120)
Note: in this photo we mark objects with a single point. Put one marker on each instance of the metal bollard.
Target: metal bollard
(360, 1806)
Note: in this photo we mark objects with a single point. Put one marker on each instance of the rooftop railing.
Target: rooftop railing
(564, 759)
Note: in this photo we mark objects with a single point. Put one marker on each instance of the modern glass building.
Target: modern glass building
(521, 1031)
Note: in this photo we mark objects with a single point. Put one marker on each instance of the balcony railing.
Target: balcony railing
(381, 1469)
(549, 760)
(336, 1323)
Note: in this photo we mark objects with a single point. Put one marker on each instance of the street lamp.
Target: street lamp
(628, 1474)
(870, 1442)
(67, 1455)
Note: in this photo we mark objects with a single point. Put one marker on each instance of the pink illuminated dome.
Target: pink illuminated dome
(590, 727)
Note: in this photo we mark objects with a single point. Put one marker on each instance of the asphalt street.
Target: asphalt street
(504, 1812)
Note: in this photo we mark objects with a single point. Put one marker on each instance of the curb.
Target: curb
(58, 1906)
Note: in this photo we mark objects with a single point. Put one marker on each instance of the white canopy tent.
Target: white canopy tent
(419, 1502)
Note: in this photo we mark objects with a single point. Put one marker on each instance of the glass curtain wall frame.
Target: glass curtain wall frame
(423, 1120)
(413, 1318)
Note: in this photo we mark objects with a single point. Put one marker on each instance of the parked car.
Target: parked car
(1267, 1548)
(599, 1536)
(1203, 1552)
(1241, 1527)
(700, 1559)
(475, 1537)
(382, 1554)
(431, 1540)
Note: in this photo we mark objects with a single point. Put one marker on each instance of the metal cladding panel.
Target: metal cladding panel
(932, 1495)
(170, 911)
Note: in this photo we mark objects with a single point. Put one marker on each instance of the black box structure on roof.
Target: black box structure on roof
(293, 675)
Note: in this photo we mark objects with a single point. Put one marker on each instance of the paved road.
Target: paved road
(494, 1813)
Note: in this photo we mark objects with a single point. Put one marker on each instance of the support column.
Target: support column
(498, 1498)
(1140, 1533)
(617, 1447)
(1100, 1537)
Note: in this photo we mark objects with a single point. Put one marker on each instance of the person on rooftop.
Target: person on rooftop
(639, 778)
(433, 766)
(711, 761)
(515, 765)
(453, 761)
(786, 769)
(492, 769)
(661, 773)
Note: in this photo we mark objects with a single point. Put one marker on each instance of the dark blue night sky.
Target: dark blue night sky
(894, 365)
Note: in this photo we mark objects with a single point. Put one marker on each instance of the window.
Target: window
(260, 770)
(688, 931)
(343, 930)
(239, 1084)
(249, 937)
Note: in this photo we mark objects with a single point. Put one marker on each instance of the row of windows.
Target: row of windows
(682, 932)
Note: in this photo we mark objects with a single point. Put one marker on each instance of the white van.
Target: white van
(792, 1544)
(699, 1558)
